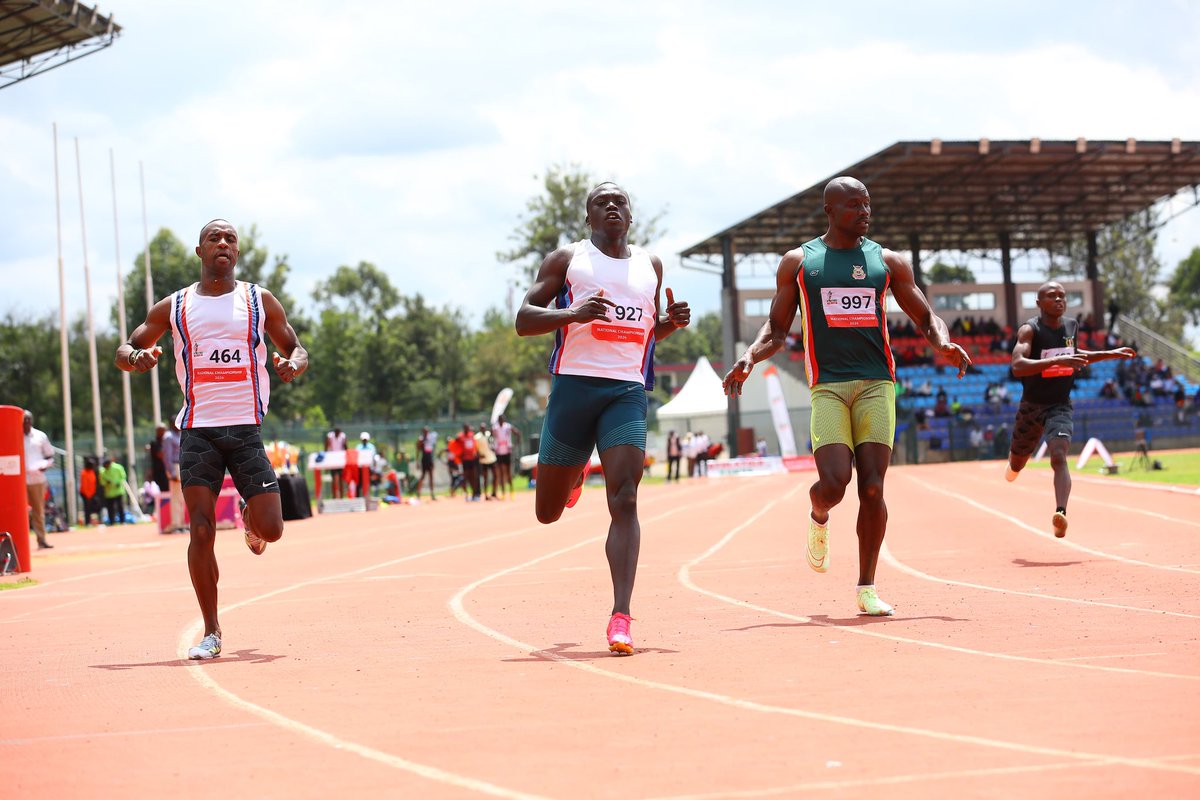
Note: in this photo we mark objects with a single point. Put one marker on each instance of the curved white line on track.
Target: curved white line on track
(1080, 498)
(916, 573)
(460, 612)
(191, 633)
(432, 773)
(1039, 532)
(685, 579)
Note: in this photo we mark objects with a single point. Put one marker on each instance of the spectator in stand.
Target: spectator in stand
(760, 447)
(89, 484)
(925, 389)
(975, 438)
(1109, 390)
(941, 408)
(1001, 441)
(1180, 402)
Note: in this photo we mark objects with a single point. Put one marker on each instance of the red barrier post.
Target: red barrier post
(14, 500)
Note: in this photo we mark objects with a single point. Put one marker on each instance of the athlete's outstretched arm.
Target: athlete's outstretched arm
(775, 330)
(536, 318)
(284, 337)
(1093, 356)
(139, 354)
(914, 303)
(678, 315)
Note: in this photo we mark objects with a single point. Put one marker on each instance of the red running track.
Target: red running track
(455, 650)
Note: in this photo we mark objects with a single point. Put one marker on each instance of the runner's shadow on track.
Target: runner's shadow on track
(561, 652)
(248, 656)
(825, 621)
(1024, 562)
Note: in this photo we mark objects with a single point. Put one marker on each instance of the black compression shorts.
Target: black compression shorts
(206, 453)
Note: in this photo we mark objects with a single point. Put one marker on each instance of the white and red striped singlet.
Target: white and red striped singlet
(623, 347)
(220, 357)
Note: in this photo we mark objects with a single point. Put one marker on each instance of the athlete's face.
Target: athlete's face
(1052, 300)
(609, 209)
(849, 209)
(218, 245)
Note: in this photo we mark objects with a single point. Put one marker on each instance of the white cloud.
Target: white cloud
(408, 134)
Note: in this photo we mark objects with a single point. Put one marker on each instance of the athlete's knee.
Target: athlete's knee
(870, 489)
(547, 513)
(828, 491)
(203, 529)
(622, 503)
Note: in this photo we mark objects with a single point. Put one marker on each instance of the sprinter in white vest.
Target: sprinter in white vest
(219, 327)
(600, 298)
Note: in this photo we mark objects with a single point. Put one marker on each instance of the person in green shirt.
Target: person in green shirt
(839, 282)
(112, 484)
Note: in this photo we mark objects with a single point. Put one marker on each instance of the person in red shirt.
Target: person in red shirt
(470, 462)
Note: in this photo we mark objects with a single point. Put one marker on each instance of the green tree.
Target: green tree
(1131, 273)
(558, 216)
(500, 358)
(701, 338)
(1185, 286)
(947, 273)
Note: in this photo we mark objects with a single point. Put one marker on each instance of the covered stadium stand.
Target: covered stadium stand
(39, 35)
(968, 196)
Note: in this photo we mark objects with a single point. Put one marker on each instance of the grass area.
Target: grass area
(1180, 467)
(21, 583)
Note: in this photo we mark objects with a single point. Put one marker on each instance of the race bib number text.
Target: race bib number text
(849, 308)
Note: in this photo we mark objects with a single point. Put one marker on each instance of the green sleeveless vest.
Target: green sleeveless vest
(842, 295)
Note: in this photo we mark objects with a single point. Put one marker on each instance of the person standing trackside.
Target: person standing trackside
(1046, 358)
(39, 456)
(674, 453)
(427, 447)
(170, 456)
(112, 485)
(505, 437)
(219, 327)
(839, 282)
(606, 318)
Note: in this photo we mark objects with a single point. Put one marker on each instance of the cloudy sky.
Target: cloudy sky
(410, 134)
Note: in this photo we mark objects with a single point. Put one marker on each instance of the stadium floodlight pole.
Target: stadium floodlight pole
(87, 284)
(156, 401)
(121, 328)
(64, 352)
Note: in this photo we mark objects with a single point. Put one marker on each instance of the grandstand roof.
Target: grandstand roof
(964, 195)
(39, 35)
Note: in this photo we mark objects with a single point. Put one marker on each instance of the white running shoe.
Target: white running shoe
(209, 647)
(818, 545)
(1059, 521)
(870, 604)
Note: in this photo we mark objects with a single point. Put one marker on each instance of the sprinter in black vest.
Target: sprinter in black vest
(1045, 358)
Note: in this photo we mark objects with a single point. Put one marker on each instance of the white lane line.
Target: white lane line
(686, 580)
(147, 732)
(1039, 532)
(1116, 655)
(460, 613)
(887, 780)
(24, 592)
(1087, 500)
(916, 573)
(192, 632)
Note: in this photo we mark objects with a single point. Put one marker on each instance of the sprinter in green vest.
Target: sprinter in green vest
(840, 282)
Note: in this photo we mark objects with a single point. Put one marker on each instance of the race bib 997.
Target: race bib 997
(849, 308)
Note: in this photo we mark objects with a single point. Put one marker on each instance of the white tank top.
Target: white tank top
(503, 435)
(220, 357)
(621, 348)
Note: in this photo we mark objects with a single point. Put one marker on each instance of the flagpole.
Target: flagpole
(157, 402)
(121, 329)
(87, 283)
(64, 352)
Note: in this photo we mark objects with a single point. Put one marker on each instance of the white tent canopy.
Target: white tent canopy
(701, 395)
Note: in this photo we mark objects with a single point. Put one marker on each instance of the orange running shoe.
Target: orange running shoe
(573, 497)
(619, 639)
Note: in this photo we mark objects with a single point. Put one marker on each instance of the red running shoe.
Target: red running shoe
(619, 639)
(573, 497)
